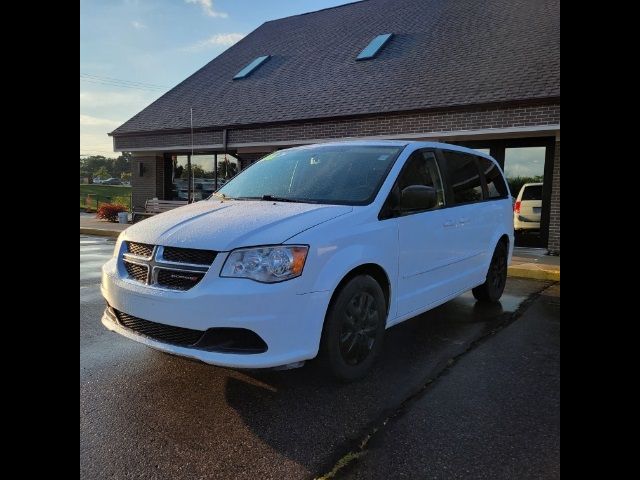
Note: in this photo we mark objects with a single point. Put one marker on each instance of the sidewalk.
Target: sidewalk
(90, 225)
(526, 262)
(494, 414)
(534, 263)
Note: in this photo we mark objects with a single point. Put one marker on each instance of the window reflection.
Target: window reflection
(523, 165)
(203, 174)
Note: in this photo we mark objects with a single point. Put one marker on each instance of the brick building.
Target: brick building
(481, 73)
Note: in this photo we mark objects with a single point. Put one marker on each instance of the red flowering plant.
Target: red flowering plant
(109, 211)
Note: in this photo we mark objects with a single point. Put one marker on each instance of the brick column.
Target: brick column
(554, 215)
(151, 183)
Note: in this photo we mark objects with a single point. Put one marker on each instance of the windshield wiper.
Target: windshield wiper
(273, 198)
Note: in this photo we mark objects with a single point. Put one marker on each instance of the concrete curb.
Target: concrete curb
(99, 231)
(533, 273)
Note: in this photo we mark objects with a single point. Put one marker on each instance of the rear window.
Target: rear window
(533, 192)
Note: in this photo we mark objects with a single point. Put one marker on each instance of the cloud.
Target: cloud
(89, 121)
(207, 7)
(220, 39)
(138, 25)
(96, 144)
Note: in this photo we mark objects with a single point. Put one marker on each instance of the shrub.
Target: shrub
(109, 211)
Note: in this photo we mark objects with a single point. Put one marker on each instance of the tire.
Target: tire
(491, 290)
(351, 339)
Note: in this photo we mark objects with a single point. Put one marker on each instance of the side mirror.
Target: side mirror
(417, 197)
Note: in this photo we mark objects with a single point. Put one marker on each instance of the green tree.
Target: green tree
(89, 166)
(227, 169)
(197, 171)
(103, 173)
(125, 176)
(122, 164)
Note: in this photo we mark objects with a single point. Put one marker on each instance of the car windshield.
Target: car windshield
(344, 174)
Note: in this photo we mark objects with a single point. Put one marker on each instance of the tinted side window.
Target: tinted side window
(496, 187)
(422, 169)
(464, 177)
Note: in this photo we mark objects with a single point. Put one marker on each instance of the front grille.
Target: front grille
(178, 279)
(136, 272)
(173, 268)
(189, 255)
(180, 336)
(140, 249)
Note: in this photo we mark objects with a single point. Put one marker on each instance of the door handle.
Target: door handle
(463, 220)
(449, 223)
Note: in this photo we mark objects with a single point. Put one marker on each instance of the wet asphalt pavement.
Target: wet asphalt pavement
(494, 414)
(145, 414)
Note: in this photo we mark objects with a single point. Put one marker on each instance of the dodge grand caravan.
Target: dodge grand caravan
(313, 252)
(527, 208)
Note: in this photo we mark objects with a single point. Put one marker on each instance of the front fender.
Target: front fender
(334, 262)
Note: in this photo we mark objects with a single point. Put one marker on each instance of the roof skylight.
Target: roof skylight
(246, 71)
(374, 47)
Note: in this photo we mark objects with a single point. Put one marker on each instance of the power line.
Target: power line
(131, 82)
(112, 84)
(115, 82)
(124, 86)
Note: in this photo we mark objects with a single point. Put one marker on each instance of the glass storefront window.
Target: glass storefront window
(203, 174)
(526, 165)
(228, 166)
(523, 165)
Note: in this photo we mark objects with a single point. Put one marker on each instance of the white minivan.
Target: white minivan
(313, 252)
(527, 208)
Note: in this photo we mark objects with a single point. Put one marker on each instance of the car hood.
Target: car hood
(225, 225)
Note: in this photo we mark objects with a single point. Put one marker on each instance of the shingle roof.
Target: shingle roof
(443, 53)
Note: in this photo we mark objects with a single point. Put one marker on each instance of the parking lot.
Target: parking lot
(145, 414)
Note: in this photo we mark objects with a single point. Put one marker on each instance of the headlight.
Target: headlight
(266, 264)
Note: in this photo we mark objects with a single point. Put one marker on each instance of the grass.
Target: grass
(104, 193)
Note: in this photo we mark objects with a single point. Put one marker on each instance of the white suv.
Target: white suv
(314, 251)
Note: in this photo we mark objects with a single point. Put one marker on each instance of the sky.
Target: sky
(133, 51)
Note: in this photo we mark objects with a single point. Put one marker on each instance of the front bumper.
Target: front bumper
(289, 322)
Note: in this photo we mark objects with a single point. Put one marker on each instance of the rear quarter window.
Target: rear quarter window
(464, 177)
(496, 186)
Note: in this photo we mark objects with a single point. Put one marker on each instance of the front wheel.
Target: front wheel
(491, 290)
(353, 329)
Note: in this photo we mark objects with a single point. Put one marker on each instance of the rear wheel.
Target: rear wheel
(353, 329)
(491, 290)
